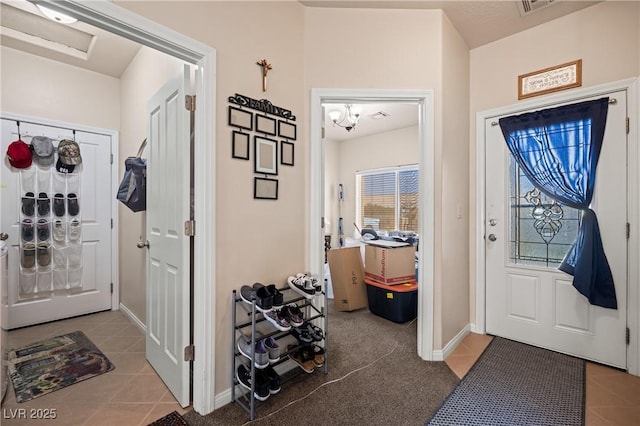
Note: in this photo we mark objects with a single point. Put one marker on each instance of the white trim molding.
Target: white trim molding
(442, 354)
(425, 101)
(115, 19)
(633, 201)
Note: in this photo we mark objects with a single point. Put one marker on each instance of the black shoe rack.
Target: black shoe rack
(246, 317)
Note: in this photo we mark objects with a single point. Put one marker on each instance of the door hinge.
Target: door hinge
(111, 223)
(190, 102)
(627, 125)
(189, 352)
(628, 230)
(111, 158)
(111, 288)
(190, 228)
(628, 336)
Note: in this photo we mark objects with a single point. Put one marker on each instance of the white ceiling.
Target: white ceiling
(479, 22)
(108, 54)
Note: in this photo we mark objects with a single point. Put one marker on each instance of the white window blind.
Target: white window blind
(388, 199)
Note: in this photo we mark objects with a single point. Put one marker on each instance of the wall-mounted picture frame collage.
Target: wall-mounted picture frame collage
(273, 134)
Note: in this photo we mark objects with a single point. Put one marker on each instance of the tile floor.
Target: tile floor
(132, 394)
(613, 397)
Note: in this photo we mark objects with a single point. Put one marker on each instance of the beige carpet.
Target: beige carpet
(398, 388)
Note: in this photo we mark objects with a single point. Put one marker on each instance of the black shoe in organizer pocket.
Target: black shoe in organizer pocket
(72, 204)
(58, 205)
(44, 204)
(26, 230)
(43, 229)
(28, 204)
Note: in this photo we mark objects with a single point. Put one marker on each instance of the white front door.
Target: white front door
(168, 260)
(527, 298)
(71, 274)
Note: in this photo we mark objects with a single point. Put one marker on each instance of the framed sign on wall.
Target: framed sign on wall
(549, 80)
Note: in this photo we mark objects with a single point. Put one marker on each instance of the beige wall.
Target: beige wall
(455, 187)
(144, 76)
(604, 36)
(40, 87)
(390, 49)
(257, 240)
(388, 149)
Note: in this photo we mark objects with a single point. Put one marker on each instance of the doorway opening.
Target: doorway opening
(423, 99)
(120, 21)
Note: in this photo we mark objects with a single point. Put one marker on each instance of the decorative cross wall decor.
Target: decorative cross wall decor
(266, 67)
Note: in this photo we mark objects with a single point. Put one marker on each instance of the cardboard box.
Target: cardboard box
(389, 264)
(347, 278)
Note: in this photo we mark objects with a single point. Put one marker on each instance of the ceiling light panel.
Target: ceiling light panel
(42, 31)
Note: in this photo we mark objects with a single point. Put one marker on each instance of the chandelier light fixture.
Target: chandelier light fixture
(347, 119)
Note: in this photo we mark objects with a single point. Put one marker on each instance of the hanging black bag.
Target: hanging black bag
(133, 188)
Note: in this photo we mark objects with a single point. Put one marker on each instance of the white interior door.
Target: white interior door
(77, 279)
(527, 298)
(168, 260)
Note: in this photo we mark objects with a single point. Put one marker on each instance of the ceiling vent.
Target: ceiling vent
(527, 7)
(378, 115)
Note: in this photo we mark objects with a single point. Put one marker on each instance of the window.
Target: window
(542, 230)
(388, 199)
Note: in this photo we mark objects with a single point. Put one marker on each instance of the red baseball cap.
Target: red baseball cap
(19, 154)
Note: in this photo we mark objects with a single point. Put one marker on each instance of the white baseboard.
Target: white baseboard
(475, 329)
(441, 355)
(134, 319)
(222, 399)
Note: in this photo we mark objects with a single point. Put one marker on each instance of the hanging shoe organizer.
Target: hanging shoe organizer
(50, 231)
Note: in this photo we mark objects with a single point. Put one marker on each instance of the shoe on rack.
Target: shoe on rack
(315, 353)
(314, 281)
(264, 298)
(247, 294)
(302, 335)
(302, 285)
(293, 314)
(273, 348)
(261, 353)
(261, 391)
(250, 294)
(277, 318)
(303, 362)
(315, 332)
(272, 378)
(278, 297)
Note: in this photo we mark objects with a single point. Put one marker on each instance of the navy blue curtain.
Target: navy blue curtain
(558, 150)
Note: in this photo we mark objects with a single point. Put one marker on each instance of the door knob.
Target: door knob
(3, 236)
(492, 237)
(143, 244)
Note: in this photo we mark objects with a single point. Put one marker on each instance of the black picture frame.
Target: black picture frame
(287, 150)
(287, 130)
(265, 155)
(240, 145)
(240, 118)
(266, 125)
(265, 188)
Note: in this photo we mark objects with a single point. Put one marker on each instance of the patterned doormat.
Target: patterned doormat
(172, 419)
(516, 384)
(43, 367)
